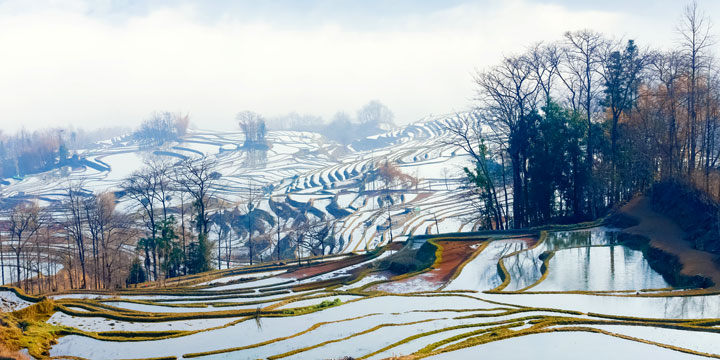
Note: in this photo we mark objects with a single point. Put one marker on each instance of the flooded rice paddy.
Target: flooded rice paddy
(572, 292)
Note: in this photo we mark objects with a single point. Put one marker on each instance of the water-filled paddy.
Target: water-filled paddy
(481, 273)
(582, 260)
(588, 260)
(588, 346)
(600, 268)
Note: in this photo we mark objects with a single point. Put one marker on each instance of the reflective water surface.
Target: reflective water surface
(587, 260)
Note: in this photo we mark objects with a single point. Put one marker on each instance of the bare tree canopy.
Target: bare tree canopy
(375, 114)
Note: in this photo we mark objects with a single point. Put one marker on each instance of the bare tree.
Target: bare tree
(280, 225)
(545, 62)
(90, 206)
(183, 196)
(197, 177)
(694, 30)
(75, 222)
(2, 257)
(250, 200)
(711, 105)
(667, 70)
(103, 224)
(582, 59)
(391, 177)
(466, 132)
(220, 223)
(314, 235)
(508, 94)
(24, 221)
(142, 186)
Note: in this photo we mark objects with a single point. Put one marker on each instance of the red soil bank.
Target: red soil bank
(454, 254)
(333, 265)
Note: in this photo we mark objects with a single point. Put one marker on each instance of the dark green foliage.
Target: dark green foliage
(555, 175)
(136, 274)
(200, 255)
(168, 248)
(622, 78)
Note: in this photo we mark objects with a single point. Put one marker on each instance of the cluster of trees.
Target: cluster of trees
(372, 118)
(567, 130)
(255, 145)
(178, 222)
(253, 126)
(97, 237)
(180, 212)
(162, 126)
(98, 246)
(166, 195)
(28, 152)
(176, 212)
(85, 235)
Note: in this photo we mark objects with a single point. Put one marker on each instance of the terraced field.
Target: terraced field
(303, 172)
(579, 291)
(500, 298)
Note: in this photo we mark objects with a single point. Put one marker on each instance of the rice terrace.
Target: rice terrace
(540, 180)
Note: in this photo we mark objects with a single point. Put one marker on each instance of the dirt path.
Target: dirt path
(666, 235)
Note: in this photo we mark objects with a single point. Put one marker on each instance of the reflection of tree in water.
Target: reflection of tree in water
(626, 268)
(490, 274)
(583, 239)
(255, 145)
(524, 268)
(255, 158)
(258, 318)
(691, 307)
(490, 277)
(568, 239)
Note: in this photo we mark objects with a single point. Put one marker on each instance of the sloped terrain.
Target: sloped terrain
(302, 175)
(339, 306)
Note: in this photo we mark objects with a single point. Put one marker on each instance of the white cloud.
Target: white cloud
(61, 66)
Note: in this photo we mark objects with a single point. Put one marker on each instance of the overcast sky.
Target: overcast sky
(106, 63)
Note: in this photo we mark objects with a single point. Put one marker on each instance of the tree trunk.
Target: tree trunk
(518, 214)
(2, 260)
